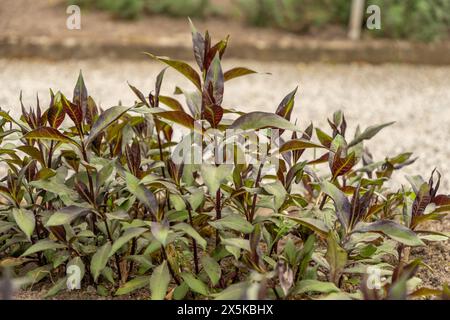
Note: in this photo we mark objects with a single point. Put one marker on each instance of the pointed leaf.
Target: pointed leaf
(192, 232)
(233, 222)
(159, 281)
(259, 120)
(214, 176)
(129, 234)
(287, 105)
(212, 269)
(41, 246)
(132, 285)
(336, 257)
(195, 284)
(341, 203)
(65, 216)
(100, 259)
(105, 120)
(299, 144)
(49, 133)
(237, 72)
(393, 230)
(181, 67)
(80, 95)
(369, 133)
(25, 220)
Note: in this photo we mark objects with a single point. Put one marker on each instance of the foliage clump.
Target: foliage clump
(101, 193)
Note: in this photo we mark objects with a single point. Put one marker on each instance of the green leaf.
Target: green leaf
(159, 281)
(180, 291)
(336, 257)
(186, 228)
(212, 269)
(195, 284)
(196, 198)
(369, 133)
(233, 222)
(65, 216)
(315, 286)
(25, 220)
(127, 236)
(393, 230)
(233, 292)
(181, 67)
(299, 144)
(141, 192)
(171, 103)
(49, 133)
(42, 245)
(160, 231)
(237, 72)
(57, 287)
(105, 120)
(259, 120)
(100, 259)
(214, 176)
(132, 285)
(341, 203)
(314, 224)
(237, 243)
(287, 105)
(278, 191)
(179, 117)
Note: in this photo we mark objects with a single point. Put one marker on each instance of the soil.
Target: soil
(38, 29)
(20, 17)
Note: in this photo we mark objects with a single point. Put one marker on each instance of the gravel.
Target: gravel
(417, 97)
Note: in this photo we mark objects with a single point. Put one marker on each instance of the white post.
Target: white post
(356, 17)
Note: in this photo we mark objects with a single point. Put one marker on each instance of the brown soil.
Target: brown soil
(38, 29)
(48, 18)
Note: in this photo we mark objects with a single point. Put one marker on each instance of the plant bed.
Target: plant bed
(166, 200)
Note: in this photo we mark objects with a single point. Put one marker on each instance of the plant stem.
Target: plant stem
(170, 266)
(253, 209)
(116, 257)
(218, 213)
(194, 242)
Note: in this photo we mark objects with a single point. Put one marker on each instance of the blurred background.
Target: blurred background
(399, 72)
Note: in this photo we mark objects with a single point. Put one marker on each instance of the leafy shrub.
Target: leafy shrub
(102, 192)
(132, 9)
(294, 15)
(414, 19)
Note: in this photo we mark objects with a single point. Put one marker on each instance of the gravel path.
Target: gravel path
(417, 97)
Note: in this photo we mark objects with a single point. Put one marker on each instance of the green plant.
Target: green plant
(414, 19)
(107, 195)
(132, 9)
(294, 15)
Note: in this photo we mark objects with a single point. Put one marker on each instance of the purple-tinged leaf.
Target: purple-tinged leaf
(393, 230)
(105, 120)
(181, 67)
(341, 203)
(80, 95)
(369, 133)
(287, 105)
(237, 72)
(299, 144)
(49, 133)
(260, 120)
